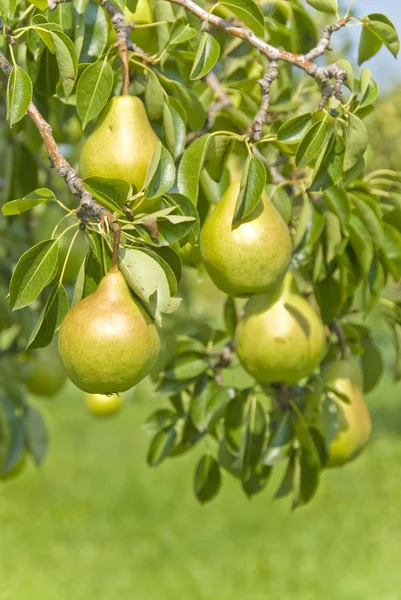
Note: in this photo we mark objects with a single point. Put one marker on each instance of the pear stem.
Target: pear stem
(116, 227)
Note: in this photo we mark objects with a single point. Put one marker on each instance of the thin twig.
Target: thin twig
(53, 4)
(255, 128)
(123, 32)
(321, 74)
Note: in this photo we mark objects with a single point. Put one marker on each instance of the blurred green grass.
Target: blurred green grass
(97, 522)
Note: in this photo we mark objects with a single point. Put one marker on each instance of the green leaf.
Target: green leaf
(207, 480)
(36, 436)
(303, 30)
(287, 483)
(187, 366)
(372, 364)
(154, 96)
(191, 166)
(67, 60)
(161, 446)
(357, 140)
(369, 218)
(190, 102)
(361, 243)
(252, 185)
(19, 94)
(293, 130)
(311, 144)
(174, 127)
(13, 444)
(377, 30)
(329, 296)
(17, 207)
(50, 319)
(180, 33)
(219, 149)
(111, 193)
(160, 176)
(369, 45)
(254, 435)
(7, 8)
(147, 279)
(34, 271)
(325, 6)
(391, 245)
(230, 316)
(338, 202)
(397, 340)
(249, 13)
(206, 56)
(329, 169)
(93, 90)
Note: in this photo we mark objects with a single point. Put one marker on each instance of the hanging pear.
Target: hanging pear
(280, 338)
(122, 144)
(103, 405)
(251, 257)
(354, 421)
(108, 342)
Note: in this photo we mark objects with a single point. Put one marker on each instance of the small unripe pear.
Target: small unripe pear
(108, 342)
(280, 338)
(354, 421)
(122, 144)
(103, 405)
(251, 257)
(43, 373)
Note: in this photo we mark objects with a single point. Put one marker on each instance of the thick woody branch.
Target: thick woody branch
(255, 128)
(123, 32)
(322, 75)
(88, 210)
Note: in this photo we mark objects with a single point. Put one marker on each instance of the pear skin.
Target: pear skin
(253, 256)
(354, 421)
(108, 342)
(280, 338)
(122, 144)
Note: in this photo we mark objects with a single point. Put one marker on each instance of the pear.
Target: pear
(280, 338)
(122, 144)
(43, 373)
(253, 256)
(108, 342)
(354, 422)
(103, 405)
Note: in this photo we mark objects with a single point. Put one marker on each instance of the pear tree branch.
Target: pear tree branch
(88, 209)
(255, 128)
(321, 74)
(123, 32)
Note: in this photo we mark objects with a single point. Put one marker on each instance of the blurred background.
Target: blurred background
(96, 522)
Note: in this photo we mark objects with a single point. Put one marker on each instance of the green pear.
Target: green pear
(253, 256)
(354, 422)
(280, 338)
(43, 373)
(122, 144)
(108, 342)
